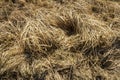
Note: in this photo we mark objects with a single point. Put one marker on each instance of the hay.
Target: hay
(60, 40)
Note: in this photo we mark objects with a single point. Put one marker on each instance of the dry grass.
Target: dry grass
(60, 40)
